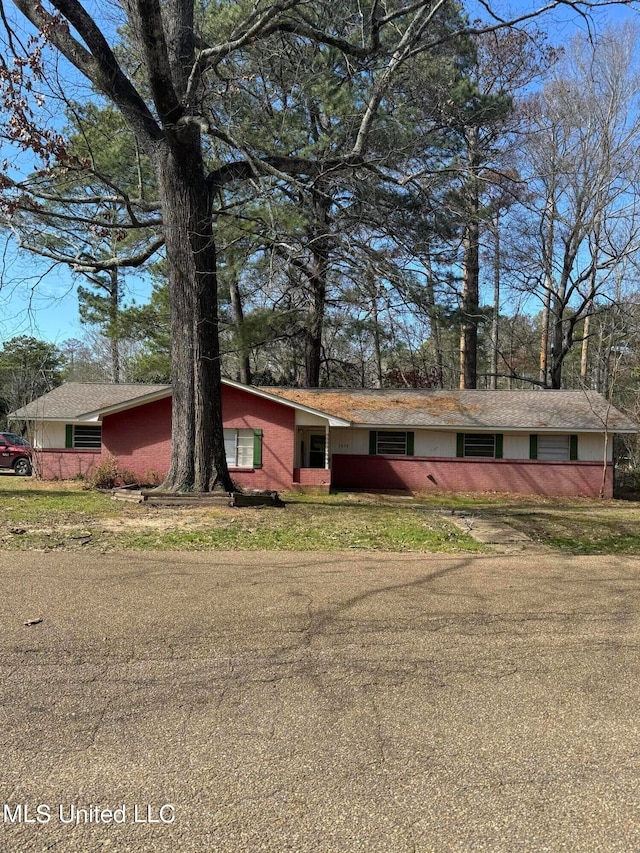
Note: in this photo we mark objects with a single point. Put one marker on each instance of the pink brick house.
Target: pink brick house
(528, 442)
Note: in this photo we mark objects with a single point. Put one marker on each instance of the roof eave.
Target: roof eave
(333, 420)
(497, 428)
(132, 403)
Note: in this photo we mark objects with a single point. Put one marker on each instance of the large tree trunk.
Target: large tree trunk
(313, 341)
(377, 347)
(584, 353)
(557, 357)
(198, 459)
(544, 337)
(495, 319)
(589, 307)
(562, 327)
(434, 322)
(548, 251)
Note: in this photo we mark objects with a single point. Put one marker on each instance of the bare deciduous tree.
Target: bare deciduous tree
(584, 171)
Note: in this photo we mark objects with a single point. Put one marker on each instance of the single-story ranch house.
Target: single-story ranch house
(528, 442)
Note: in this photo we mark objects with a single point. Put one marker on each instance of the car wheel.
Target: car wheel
(22, 467)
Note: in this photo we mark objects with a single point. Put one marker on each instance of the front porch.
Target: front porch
(312, 467)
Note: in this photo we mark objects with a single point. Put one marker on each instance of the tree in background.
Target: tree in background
(172, 101)
(583, 178)
(150, 326)
(28, 368)
(95, 211)
(336, 155)
(486, 121)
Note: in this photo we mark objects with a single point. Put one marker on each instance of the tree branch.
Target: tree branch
(79, 265)
(147, 18)
(98, 64)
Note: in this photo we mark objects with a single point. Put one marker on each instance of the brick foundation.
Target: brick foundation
(61, 464)
(523, 476)
(312, 476)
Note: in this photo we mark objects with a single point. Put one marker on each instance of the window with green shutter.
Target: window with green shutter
(553, 447)
(240, 447)
(257, 448)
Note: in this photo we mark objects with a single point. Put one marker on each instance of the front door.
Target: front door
(317, 450)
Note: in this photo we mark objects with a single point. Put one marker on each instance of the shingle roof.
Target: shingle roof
(465, 409)
(564, 411)
(74, 399)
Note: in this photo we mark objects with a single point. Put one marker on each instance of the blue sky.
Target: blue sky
(42, 302)
(36, 301)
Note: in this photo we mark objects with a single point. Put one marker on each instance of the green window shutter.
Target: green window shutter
(460, 445)
(410, 444)
(573, 447)
(499, 446)
(373, 442)
(257, 448)
(533, 446)
(68, 437)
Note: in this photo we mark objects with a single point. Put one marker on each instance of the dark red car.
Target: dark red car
(15, 452)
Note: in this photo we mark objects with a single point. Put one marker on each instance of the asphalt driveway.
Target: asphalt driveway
(307, 702)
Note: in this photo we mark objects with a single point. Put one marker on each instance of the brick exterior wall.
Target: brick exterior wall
(51, 463)
(140, 438)
(312, 480)
(522, 476)
(241, 410)
(312, 476)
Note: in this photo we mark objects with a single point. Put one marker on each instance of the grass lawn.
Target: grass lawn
(571, 525)
(580, 527)
(45, 516)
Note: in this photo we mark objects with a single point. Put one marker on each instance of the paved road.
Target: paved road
(333, 703)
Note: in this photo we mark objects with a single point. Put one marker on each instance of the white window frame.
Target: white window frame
(392, 436)
(238, 447)
(477, 439)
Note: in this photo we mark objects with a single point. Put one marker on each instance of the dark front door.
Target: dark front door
(317, 450)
